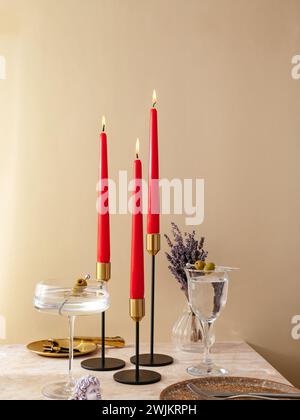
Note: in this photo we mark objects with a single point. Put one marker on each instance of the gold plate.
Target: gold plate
(84, 347)
(180, 391)
(116, 342)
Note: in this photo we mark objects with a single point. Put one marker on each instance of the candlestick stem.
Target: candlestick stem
(103, 341)
(103, 363)
(151, 358)
(152, 309)
(137, 376)
(137, 352)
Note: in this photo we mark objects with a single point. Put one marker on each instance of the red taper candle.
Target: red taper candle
(153, 219)
(137, 288)
(103, 248)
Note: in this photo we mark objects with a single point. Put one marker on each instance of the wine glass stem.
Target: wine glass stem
(207, 327)
(71, 348)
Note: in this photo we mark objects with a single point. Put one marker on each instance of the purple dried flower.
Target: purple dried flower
(185, 250)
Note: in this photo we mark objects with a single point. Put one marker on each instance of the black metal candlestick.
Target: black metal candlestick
(152, 309)
(137, 376)
(103, 363)
(153, 359)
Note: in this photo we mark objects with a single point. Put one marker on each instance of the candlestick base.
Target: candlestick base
(129, 377)
(153, 361)
(97, 364)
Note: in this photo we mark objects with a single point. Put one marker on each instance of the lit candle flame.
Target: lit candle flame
(103, 123)
(137, 148)
(154, 100)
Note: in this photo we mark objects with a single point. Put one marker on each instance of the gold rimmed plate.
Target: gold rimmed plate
(81, 348)
(180, 390)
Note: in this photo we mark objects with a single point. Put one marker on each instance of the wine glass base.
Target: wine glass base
(204, 370)
(58, 391)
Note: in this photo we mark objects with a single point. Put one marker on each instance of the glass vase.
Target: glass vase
(187, 332)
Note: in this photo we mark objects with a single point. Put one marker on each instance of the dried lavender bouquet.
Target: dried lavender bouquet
(184, 249)
(187, 250)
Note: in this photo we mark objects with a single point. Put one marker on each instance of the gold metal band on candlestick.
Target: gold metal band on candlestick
(153, 243)
(137, 309)
(103, 271)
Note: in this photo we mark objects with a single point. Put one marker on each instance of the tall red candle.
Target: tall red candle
(103, 248)
(137, 243)
(153, 220)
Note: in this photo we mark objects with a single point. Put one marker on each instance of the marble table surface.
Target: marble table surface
(23, 374)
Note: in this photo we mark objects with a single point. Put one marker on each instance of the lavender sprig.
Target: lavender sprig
(185, 249)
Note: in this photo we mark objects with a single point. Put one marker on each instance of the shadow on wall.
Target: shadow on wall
(287, 362)
(2, 68)
(2, 328)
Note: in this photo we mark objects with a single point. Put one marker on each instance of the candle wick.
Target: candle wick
(103, 124)
(137, 156)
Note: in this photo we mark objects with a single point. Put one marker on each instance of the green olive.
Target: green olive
(79, 287)
(199, 265)
(210, 267)
(81, 283)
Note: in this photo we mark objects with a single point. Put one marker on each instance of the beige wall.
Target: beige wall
(229, 112)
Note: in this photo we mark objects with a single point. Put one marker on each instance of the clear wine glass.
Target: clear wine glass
(65, 299)
(208, 293)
